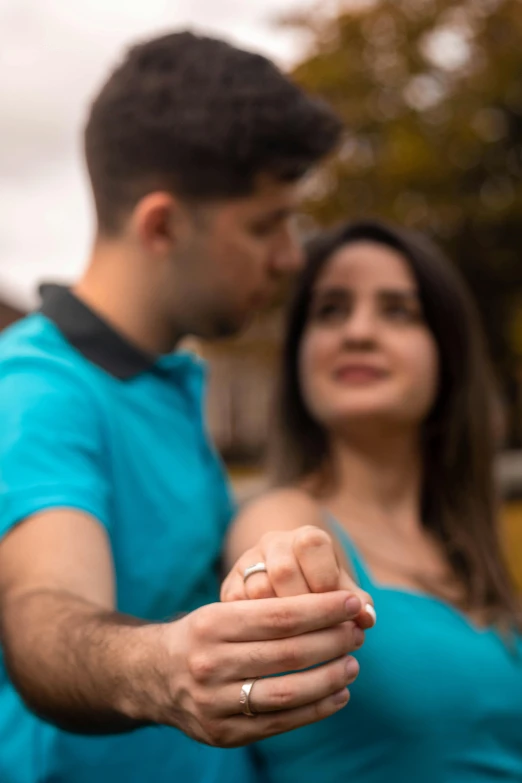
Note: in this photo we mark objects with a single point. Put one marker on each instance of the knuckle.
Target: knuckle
(344, 637)
(225, 592)
(258, 657)
(291, 657)
(234, 596)
(202, 623)
(282, 571)
(202, 667)
(283, 621)
(325, 580)
(347, 631)
(205, 701)
(320, 710)
(232, 588)
(311, 537)
(259, 588)
(217, 735)
(282, 697)
(324, 708)
(235, 592)
(326, 584)
(337, 678)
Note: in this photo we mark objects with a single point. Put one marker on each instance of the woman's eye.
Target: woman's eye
(329, 311)
(402, 312)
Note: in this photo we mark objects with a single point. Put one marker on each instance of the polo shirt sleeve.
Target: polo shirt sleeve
(51, 445)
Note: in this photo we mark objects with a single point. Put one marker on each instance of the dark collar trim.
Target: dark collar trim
(91, 335)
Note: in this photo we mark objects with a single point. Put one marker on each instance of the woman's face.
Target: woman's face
(366, 351)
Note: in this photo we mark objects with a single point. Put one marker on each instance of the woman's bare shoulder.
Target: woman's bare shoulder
(291, 506)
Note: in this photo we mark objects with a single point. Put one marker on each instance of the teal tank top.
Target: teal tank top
(437, 700)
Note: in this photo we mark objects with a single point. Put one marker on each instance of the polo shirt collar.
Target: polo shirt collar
(91, 335)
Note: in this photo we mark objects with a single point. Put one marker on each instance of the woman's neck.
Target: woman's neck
(378, 480)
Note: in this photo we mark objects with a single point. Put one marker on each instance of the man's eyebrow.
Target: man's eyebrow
(276, 214)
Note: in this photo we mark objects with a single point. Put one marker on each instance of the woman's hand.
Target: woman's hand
(297, 561)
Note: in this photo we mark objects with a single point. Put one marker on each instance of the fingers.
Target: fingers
(233, 588)
(260, 586)
(314, 551)
(296, 566)
(278, 618)
(303, 639)
(236, 588)
(252, 659)
(283, 571)
(297, 562)
(289, 691)
(300, 689)
(242, 730)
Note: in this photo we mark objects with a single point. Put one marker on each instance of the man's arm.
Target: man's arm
(88, 669)
(65, 647)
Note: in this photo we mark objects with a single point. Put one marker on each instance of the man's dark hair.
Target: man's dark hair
(198, 117)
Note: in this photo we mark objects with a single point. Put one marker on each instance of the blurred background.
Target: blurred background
(431, 92)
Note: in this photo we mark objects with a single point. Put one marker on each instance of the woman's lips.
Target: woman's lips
(359, 374)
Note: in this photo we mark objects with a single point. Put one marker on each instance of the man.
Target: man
(113, 506)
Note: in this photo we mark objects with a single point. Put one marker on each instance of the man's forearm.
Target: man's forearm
(76, 665)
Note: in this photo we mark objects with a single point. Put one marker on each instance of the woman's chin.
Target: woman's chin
(366, 415)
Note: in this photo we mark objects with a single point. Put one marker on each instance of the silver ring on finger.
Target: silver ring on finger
(244, 698)
(258, 568)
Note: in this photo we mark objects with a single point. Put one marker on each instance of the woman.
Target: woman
(384, 438)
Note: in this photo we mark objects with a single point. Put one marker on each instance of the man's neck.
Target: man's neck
(119, 287)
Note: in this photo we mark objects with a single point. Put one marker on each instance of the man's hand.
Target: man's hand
(80, 664)
(299, 561)
(211, 652)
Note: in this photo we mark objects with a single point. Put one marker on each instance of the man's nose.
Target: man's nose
(288, 257)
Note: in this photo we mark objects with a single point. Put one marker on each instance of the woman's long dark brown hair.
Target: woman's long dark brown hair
(459, 499)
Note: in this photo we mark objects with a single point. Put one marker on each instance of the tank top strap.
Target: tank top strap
(359, 570)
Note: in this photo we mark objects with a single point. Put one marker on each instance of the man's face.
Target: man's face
(234, 257)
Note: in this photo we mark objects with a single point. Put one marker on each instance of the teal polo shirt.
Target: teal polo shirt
(91, 423)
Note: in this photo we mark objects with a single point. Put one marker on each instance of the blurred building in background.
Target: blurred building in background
(242, 371)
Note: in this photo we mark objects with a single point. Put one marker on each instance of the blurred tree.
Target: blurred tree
(431, 92)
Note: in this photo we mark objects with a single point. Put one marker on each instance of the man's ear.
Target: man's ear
(159, 222)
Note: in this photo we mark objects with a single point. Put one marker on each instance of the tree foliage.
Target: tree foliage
(431, 93)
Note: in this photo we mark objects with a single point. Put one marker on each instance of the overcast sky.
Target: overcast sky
(53, 55)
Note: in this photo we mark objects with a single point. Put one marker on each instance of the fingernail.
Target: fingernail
(352, 667)
(341, 697)
(371, 611)
(353, 606)
(358, 636)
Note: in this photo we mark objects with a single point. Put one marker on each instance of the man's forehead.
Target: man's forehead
(270, 194)
(270, 199)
